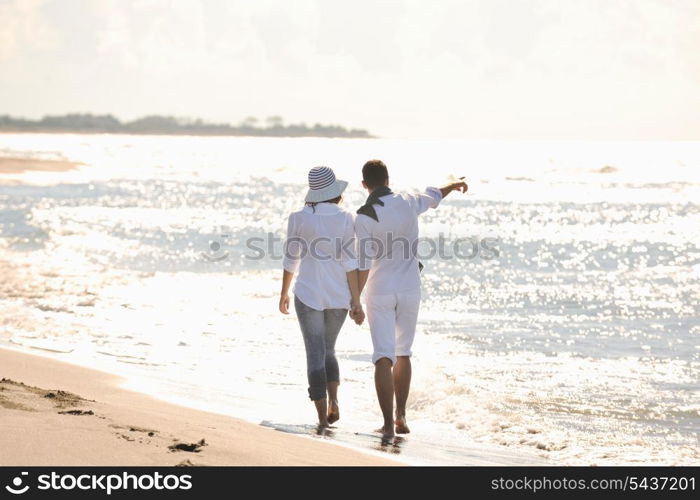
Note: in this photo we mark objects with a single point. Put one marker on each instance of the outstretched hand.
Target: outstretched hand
(460, 185)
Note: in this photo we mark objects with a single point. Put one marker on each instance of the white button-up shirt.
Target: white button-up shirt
(388, 247)
(321, 247)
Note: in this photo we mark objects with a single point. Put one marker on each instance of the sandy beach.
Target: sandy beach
(54, 413)
(17, 165)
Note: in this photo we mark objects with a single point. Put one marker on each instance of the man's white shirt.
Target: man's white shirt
(388, 247)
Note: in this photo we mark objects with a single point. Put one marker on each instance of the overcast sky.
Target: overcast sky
(609, 69)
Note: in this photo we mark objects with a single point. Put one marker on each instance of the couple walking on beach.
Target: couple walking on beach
(336, 257)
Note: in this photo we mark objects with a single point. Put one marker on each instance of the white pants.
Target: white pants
(392, 323)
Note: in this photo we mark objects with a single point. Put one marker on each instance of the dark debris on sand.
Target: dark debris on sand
(191, 447)
(149, 432)
(77, 412)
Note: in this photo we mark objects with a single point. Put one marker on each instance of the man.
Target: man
(386, 229)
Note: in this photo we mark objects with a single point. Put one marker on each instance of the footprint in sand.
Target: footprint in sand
(19, 396)
(186, 463)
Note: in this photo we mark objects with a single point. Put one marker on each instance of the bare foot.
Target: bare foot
(387, 432)
(324, 429)
(333, 412)
(401, 425)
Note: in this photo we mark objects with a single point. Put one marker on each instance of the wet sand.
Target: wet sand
(54, 413)
(18, 165)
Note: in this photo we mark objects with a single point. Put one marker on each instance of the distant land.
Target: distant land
(272, 126)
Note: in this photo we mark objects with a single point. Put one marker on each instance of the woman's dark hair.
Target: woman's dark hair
(375, 174)
(313, 204)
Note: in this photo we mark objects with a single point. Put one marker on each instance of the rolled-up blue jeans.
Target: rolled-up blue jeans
(320, 330)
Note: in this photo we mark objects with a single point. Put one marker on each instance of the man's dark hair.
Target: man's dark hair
(375, 174)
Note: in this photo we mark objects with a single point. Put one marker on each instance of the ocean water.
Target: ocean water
(576, 342)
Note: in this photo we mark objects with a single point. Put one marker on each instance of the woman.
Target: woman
(320, 246)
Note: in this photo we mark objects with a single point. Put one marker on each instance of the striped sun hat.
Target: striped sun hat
(323, 185)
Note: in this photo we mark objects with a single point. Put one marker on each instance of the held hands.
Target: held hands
(284, 303)
(356, 313)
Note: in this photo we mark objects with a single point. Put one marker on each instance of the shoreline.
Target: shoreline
(418, 450)
(58, 413)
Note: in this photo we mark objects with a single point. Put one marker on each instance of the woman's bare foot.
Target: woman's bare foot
(333, 412)
(322, 413)
(401, 425)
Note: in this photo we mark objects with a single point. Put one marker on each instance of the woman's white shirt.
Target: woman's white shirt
(320, 247)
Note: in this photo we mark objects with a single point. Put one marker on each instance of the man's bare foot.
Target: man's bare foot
(387, 432)
(401, 425)
(324, 429)
(333, 412)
